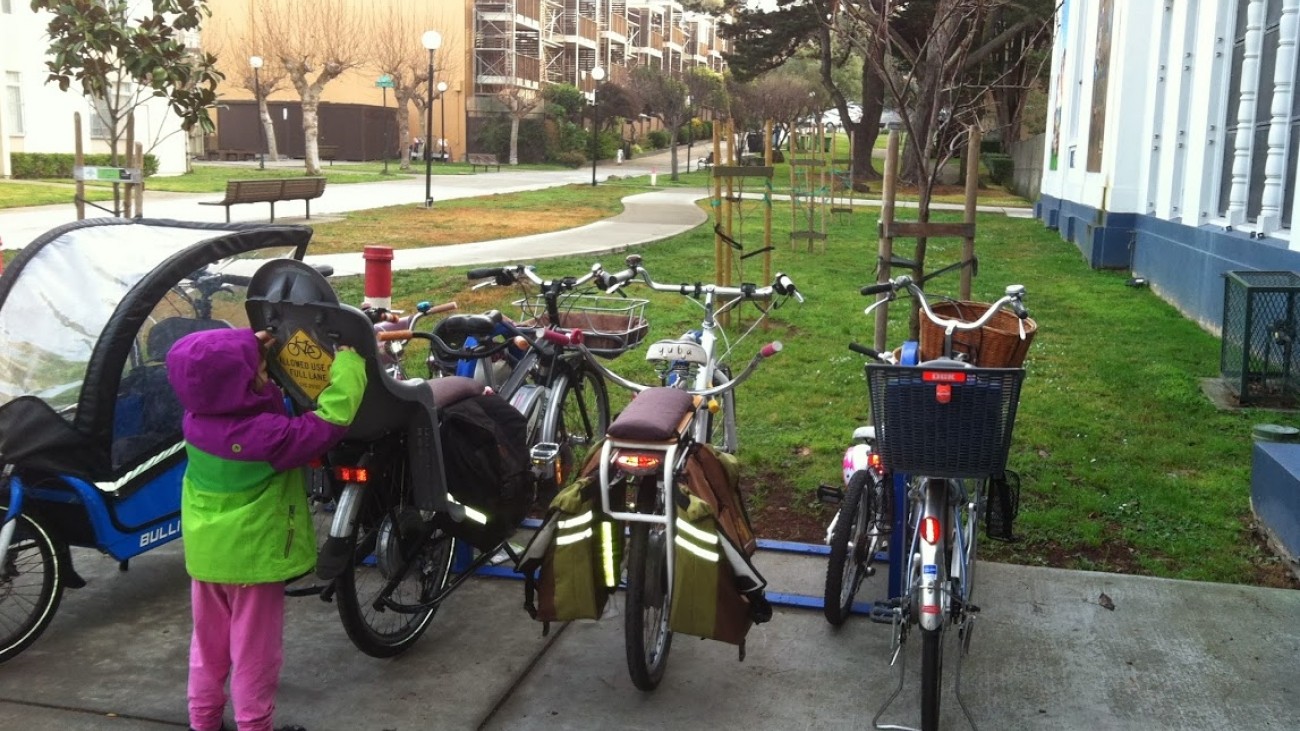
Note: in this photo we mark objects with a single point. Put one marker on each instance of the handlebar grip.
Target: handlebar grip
(771, 349)
(484, 272)
(237, 280)
(864, 350)
(437, 309)
(387, 335)
(877, 288)
(1019, 308)
(562, 337)
(326, 270)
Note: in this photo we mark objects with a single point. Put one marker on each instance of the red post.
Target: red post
(379, 276)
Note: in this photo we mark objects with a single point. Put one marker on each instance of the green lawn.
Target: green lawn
(1125, 465)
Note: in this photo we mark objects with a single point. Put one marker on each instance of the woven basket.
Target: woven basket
(996, 345)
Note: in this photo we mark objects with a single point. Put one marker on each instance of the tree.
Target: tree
(663, 97)
(315, 42)
(780, 97)
(233, 54)
(767, 40)
(121, 58)
(398, 54)
(518, 103)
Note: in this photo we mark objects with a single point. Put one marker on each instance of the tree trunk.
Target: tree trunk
(672, 144)
(403, 133)
(514, 140)
(268, 129)
(310, 131)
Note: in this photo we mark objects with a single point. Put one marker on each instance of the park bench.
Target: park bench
(270, 191)
(483, 160)
(329, 152)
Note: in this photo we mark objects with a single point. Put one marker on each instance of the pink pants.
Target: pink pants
(239, 634)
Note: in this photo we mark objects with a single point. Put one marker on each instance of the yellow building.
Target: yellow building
(486, 45)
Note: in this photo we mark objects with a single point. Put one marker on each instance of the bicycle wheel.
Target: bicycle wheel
(381, 549)
(576, 417)
(931, 677)
(31, 585)
(649, 596)
(851, 550)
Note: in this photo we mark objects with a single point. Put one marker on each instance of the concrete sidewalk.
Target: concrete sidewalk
(1047, 655)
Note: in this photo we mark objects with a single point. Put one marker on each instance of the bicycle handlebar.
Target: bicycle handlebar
(1013, 296)
(765, 352)
(781, 285)
(504, 275)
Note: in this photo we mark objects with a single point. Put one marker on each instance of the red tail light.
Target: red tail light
(875, 462)
(638, 463)
(360, 475)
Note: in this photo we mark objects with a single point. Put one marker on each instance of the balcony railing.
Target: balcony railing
(580, 26)
(526, 8)
(615, 24)
(678, 36)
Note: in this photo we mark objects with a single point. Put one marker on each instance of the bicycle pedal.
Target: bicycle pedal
(830, 495)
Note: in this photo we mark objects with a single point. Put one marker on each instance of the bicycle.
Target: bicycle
(549, 379)
(944, 426)
(647, 446)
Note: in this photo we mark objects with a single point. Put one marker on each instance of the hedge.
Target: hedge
(37, 165)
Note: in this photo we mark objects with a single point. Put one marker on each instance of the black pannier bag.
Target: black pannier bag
(485, 455)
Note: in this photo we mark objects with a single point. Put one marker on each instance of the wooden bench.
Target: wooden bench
(270, 191)
(483, 160)
(329, 152)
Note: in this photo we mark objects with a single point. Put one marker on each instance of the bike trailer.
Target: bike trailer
(572, 565)
(88, 312)
(717, 593)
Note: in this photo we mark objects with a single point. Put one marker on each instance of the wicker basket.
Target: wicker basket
(610, 325)
(996, 345)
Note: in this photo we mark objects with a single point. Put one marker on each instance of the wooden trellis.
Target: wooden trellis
(809, 186)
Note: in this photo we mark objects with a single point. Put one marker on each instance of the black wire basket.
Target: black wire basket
(944, 422)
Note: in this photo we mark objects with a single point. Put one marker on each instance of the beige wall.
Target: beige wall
(236, 20)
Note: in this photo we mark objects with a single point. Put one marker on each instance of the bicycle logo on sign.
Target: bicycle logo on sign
(301, 345)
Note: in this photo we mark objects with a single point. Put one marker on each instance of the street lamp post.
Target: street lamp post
(431, 40)
(597, 74)
(442, 124)
(256, 63)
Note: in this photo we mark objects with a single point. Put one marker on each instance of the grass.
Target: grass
(472, 219)
(1124, 465)
(14, 194)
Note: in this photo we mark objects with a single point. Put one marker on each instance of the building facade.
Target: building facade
(38, 117)
(1173, 141)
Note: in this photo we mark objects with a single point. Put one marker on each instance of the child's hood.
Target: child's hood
(213, 371)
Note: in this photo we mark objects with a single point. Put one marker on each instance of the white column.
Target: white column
(1270, 215)
(5, 169)
(1240, 191)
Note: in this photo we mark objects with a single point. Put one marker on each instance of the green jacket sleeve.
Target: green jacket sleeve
(339, 402)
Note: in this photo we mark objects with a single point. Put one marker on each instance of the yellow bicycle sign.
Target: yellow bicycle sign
(307, 362)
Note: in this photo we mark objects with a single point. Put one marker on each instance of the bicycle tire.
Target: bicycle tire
(384, 632)
(646, 636)
(31, 585)
(846, 566)
(931, 678)
(576, 417)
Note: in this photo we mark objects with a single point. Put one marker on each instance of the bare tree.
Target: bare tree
(665, 98)
(518, 103)
(779, 97)
(398, 53)
(315, 42)
(234, 54)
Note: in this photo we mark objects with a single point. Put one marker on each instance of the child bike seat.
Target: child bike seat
(655, 415)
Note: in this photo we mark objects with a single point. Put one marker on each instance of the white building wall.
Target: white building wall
(48, 112)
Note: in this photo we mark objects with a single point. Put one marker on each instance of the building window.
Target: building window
(14, 102)
(6, 6)
(1250, 189)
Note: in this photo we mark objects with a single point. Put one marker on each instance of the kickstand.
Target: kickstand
(902, 672)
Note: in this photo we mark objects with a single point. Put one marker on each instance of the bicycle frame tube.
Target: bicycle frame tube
(12, 512)
(931, 594)
(704, 378)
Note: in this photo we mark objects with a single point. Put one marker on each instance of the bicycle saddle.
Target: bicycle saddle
(655, 415)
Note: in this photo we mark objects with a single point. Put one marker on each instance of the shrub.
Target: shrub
(1001, 167)
(637, 150)
(658, 139)
(571, 158)
(990, 145)
(494, 136)
(33, 165)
